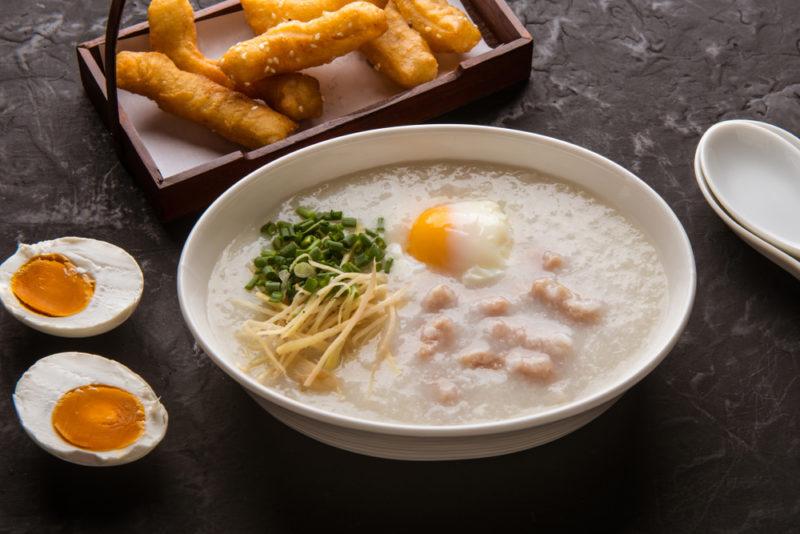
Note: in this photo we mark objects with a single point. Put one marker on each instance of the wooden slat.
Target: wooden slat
(498, 16)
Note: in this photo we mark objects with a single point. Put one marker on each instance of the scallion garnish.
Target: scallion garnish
(305, 213)
(326, 237)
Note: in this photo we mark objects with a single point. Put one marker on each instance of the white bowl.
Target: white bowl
(251, 199)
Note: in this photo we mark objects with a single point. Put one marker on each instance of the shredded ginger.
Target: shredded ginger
(307, 339)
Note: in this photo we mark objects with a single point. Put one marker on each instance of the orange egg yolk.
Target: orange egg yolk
(51, 285)
(427, 240)
(99, 418)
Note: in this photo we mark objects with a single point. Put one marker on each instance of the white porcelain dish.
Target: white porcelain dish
(755, 175)
(766, 249)
(262, 191)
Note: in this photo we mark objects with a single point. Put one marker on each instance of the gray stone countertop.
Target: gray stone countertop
(709, 442)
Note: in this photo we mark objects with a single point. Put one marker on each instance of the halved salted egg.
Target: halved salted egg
(71, 286)
(89, 410)
(469, 239)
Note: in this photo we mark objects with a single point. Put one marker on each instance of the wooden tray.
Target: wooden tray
(508, 62)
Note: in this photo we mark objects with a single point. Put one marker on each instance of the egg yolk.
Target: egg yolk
(99, 418)
(427, 240)
(51, 285)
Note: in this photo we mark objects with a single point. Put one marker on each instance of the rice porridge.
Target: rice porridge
(509, 292)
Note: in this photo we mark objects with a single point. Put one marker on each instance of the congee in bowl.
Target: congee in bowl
(438, 293)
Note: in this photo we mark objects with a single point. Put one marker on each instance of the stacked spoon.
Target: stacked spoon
(749, 173)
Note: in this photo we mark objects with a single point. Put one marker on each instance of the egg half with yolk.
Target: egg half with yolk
(469, 239)
(71, 286)
(89, 410)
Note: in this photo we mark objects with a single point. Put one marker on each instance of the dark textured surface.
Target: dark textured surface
(709, 442)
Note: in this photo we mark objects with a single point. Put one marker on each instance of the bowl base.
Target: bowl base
(426, 448)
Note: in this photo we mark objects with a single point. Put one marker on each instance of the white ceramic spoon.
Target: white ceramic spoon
(755, 174)
(772, 253)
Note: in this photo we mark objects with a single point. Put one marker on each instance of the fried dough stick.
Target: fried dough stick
(261, 15)
(173, 33)
(446, 28)
(191, 96)
(293, 94)
(293, 46)
(401, 53)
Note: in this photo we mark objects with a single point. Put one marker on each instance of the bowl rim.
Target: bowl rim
(611, 391)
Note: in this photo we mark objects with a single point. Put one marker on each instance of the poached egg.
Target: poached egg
(470, 240)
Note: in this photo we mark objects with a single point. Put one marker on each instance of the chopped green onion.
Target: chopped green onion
(350, 268)
(305, 213)
(334, 245)
(288, 251)
(285, 231)
(304, 270)
(304, 226)
(387, 264)
(327, 237)
(269, 273)
(332, 215)
(252, 283)
(311, 285)
(269, 229)
(362, 260)
(362, 243)
(272, 286)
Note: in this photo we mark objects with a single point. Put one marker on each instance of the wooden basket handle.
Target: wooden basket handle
(112, 32)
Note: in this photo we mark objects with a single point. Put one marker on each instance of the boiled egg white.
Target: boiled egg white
(71, 286)
(469, 239)
(89, 410)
